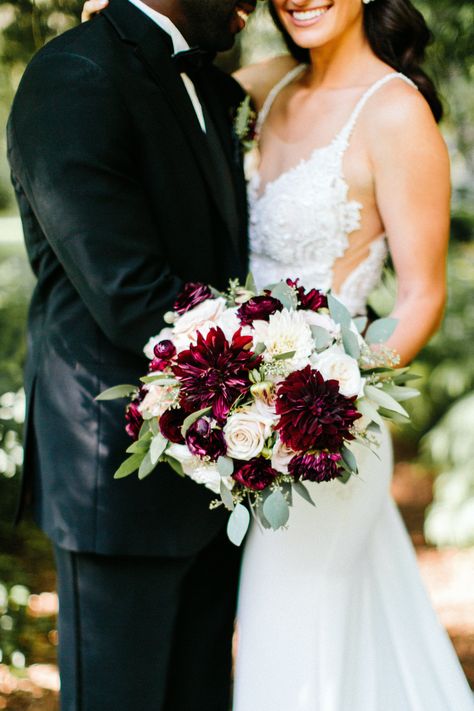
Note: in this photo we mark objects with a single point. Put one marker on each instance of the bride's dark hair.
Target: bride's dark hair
(398, 35)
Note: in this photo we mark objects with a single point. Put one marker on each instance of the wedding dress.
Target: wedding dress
(333, 615)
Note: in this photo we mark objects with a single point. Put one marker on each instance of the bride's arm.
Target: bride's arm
(92, 7)
(412, 182)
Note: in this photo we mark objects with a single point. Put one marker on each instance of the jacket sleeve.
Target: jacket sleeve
(71, 147)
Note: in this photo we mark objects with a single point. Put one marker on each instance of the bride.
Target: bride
(333, 615)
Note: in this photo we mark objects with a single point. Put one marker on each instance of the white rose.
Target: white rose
(158, 399)
(334, 365)
(203, 473)
(281, 457)
(229, 322)
(201, 318)
(245, 433)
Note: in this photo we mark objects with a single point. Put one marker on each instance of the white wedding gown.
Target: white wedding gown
(333, 615)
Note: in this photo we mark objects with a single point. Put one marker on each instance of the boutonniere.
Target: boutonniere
(245, 127)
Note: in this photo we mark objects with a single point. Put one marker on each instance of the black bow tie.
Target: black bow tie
(192, 61)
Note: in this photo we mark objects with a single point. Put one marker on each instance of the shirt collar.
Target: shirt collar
(179, 43)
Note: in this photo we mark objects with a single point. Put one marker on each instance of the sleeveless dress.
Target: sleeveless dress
(333, 615)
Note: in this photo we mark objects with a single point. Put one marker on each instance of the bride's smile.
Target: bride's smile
(309, 17)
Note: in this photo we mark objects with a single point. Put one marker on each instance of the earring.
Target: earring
(366, 2)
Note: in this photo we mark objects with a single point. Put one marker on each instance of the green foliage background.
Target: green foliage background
(443, 417)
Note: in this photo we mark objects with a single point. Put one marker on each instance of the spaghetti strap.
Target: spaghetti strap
(346, 132)
(273, 93)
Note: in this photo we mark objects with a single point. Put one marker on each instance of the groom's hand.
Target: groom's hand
(92, 7)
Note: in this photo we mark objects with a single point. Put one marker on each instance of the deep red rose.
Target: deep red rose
(170, 424)
(214, 373)
(134, 419)
(319, 467)
(256, 474)
(157, 365)
(205, 441)
(193, 294)
(164, 351)
(259, 308)
(313, 413)
(310, 300)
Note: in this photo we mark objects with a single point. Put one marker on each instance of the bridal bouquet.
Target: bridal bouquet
(252, 394)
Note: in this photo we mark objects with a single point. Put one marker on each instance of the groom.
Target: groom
(129, 183)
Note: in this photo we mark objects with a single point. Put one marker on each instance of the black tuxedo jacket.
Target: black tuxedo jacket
(120, 205)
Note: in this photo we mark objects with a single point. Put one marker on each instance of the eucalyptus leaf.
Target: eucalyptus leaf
(117, 392)
(144, 429)
(301, 489)
(338, 312)
(350, 342)
(284, 356)
(276, 510)
(259, 348)
(250, 284)
(401, 394)
(349, 459)
(286, 295)
(141, 446)
(157, 447)
(225, 466)
(158, 380)
(360, 323)
(129, 466)
(322, 337)
(238, 524)
(192, 418)
(383, 399)
(345, 476)
(370, 410)
(402, 378)
(394, 416)
(174, 464)
(146, 467)
(226, 496)
(154, 426)
(380, 331)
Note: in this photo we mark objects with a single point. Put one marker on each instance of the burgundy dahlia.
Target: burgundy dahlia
(313, 413)
(321, 466)
(310, 300)
(256, 474)
(214, 373)
(258, 308)
(193, 294)
(170, 424)
(134, 419)
(205, 441)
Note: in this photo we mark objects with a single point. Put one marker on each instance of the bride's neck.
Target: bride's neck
(347, 61)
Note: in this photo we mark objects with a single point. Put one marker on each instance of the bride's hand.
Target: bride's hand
(92, 7)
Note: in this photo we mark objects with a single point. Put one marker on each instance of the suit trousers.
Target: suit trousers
(145, 633)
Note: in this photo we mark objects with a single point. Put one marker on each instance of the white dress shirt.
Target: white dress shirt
(179, 45)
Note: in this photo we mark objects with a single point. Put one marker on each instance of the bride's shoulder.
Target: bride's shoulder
(259, 79)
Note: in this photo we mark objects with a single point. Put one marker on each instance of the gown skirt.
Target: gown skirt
(333, 614)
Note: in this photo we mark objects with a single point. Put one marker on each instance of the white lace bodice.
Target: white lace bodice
(300, 222)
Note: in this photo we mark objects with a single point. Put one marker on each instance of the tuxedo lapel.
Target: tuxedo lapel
(153, 47)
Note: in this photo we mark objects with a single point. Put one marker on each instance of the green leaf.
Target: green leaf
(338, 312)
(144, 429)
(159, 380)
(374, 427)
(174, 464)
(192, 418)
(146, 467)
(322, 337)
(117, 392)
(284, 356)
(350, 342)
(383, 399)
(349, 459)
(301, 489)
(225, 466)
(401, 393)
(154, 426)
(360, 323)
(345, 476)
(141, 446)
(380, 331)
(250, 284)
(276, 510)
(226, 497)
(157, 447)
(368, 408)
(129, 466)
(394, 416)
(401, 378)
(286, 295)
(259, 348)
(238, 524)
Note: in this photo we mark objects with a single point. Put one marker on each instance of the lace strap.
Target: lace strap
(346, 132)
(273, 93)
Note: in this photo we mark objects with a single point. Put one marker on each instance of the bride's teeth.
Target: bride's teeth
(309, 14)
